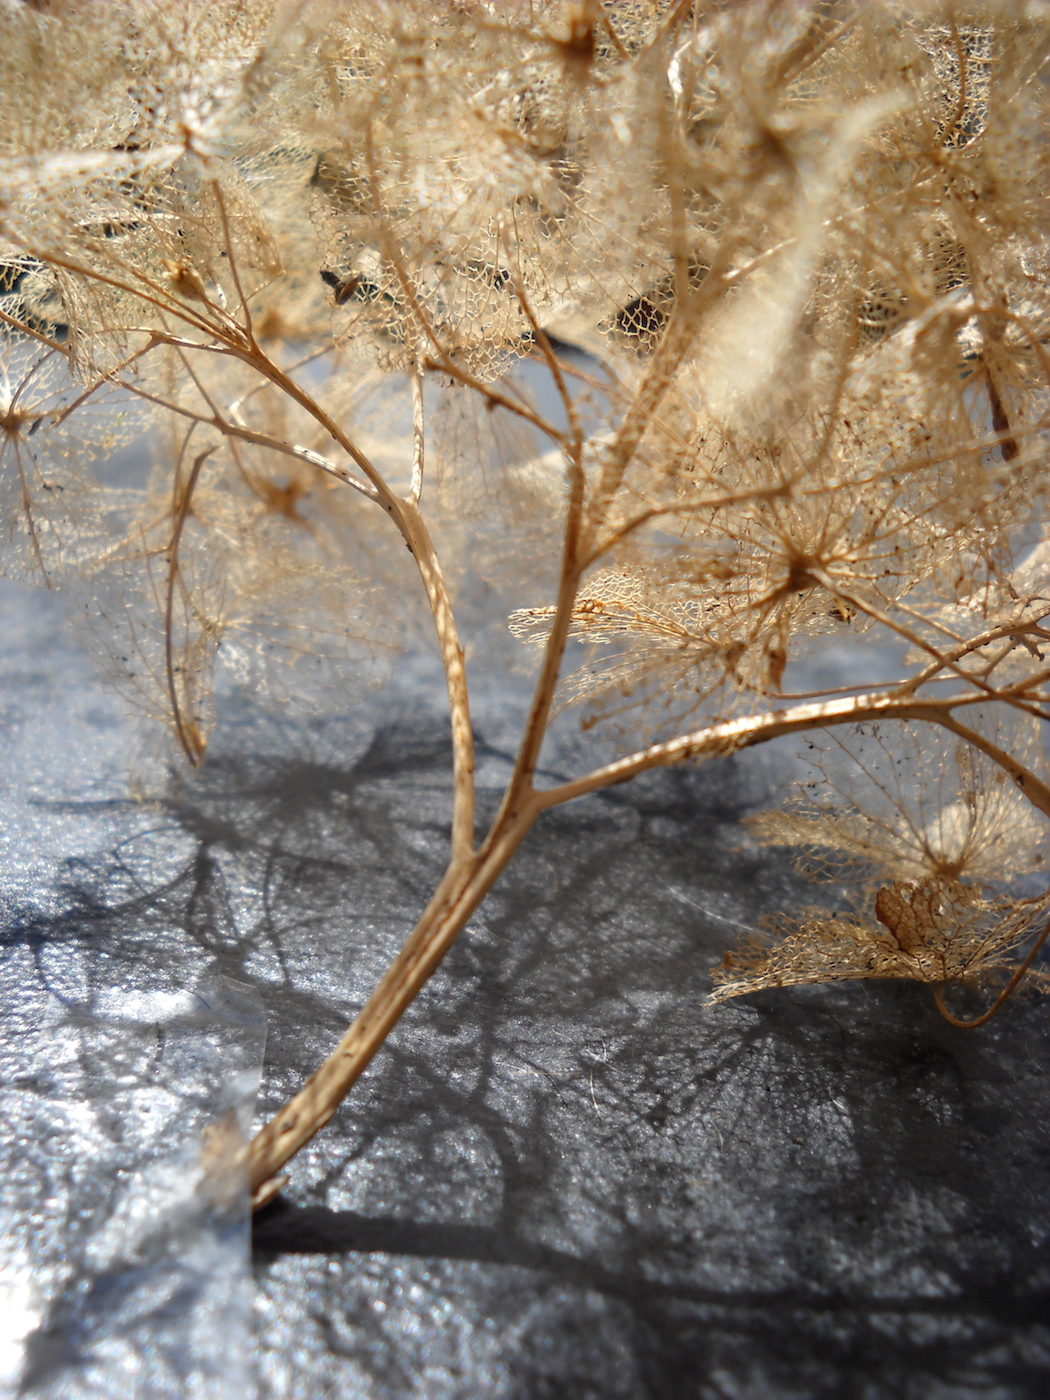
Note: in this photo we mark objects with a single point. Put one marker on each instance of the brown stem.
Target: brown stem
(520, 788)
(408, 518)
(1000, 420)
(938, 991)
(406, 515)
(418, 438)
(855, 600)
(466, 884)
(419, 542)
(732, 735)
(154, 295)
(470, 874)
(188, 736)
(23, 329)
(459, 894)
(236, 431)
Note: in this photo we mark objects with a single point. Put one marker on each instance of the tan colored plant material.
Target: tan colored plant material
(313, 255)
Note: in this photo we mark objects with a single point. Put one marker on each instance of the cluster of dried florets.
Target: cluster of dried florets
(936, 834)
(783, 267)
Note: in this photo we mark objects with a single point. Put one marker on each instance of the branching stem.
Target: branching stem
(466, 884)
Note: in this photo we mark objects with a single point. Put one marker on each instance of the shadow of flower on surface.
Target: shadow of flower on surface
(564, 1174)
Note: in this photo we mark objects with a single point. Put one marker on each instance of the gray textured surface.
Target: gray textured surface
(118, 1275)
(565, 1176)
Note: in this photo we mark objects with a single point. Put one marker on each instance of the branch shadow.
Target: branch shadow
(566, 1175)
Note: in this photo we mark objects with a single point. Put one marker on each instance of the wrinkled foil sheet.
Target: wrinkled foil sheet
(565, 1175)
(128, 1078)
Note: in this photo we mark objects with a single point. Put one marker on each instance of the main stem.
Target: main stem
(462, 889)
(465, 884)
(470, 874)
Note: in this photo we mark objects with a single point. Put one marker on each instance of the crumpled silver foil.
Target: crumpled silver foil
(123, 1264)
(565, 1175)
(128, 1087)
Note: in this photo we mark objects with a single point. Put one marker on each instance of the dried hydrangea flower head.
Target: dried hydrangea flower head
(325, 250)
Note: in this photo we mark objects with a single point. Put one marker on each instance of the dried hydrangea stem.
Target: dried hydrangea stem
(406, 515)
(799, 244)
(464, 887)
(460, 893)
(736, 734)
(1004, 995)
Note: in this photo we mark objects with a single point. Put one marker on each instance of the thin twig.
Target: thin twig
(231, 259)
(418, 438)
(245, 434)
(938, 991)
(189, 739)
(730, 735)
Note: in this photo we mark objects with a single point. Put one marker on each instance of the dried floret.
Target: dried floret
(932, 930)
(913, 802)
